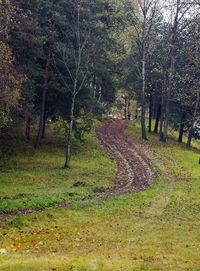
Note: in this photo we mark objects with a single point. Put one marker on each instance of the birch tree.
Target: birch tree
(178, 14)
(144, 20)
(195, 61)
(74, 57)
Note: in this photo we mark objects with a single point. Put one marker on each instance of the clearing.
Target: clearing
(153, 229)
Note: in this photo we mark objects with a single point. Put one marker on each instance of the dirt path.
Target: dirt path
(134, 168)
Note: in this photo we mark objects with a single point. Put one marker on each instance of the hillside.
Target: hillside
(155, 229)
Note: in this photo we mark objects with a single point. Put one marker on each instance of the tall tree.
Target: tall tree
(75, 60)
(179, 16)
(47, 19)
(10, 76)
(144, 20)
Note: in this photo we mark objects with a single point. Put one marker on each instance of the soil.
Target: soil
(135, 171)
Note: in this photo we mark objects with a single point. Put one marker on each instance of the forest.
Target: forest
(99, 135)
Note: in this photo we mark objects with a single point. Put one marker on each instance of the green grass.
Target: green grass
(158, 229)
(37, 179)
(179, 155)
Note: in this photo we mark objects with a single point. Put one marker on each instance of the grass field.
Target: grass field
(37, 179)
(158, 229)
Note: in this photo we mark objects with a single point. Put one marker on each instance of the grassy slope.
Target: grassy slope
(158, 229)
(35, 180)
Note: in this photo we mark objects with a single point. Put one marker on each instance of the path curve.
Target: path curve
(134, 167)
(135, 171)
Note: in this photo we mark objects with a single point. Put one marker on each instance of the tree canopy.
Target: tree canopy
(69, 60)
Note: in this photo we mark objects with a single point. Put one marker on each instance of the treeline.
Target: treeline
(167, 56)
(57, 61)
(67, 59)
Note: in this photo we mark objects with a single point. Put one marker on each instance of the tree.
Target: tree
(10, 77)
(179, 18)
(47, 23)
(144, 21)
(195, 67)
(74, 55)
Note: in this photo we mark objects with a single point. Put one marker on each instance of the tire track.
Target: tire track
(134, 167)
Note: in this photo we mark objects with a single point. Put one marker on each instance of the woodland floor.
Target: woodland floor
(148, 220)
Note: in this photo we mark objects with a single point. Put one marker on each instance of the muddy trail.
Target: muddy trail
(134, 167)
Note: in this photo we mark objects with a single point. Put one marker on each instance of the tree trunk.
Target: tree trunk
(100, 94)
(166, 117)
(161, 129)
(125, 108)
(150, 112)
(189, 141)
(143, 125)
(129, 112)
(165, 106)
(44, 128)
(181, 130)
(27, 128)
(158, 115)
(161, 118)
(44, 97)
(70, 133)
(168, 87)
